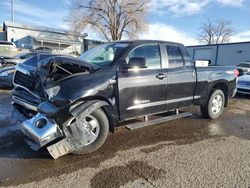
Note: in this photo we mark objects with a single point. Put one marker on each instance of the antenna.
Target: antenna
(12, 11)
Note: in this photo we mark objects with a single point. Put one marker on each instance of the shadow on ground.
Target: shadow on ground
(134, 170)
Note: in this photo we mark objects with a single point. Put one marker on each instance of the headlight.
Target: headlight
(52, 92)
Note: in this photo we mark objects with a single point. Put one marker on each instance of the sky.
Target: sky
(170, 20)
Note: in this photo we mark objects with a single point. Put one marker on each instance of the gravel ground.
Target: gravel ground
(190, 152)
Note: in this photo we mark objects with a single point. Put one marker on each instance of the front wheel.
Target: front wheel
(214, 106)
(96, 128)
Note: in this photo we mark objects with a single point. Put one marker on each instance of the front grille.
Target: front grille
(24, 80)
(28, 96)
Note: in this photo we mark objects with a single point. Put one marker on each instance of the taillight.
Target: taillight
(236, 73)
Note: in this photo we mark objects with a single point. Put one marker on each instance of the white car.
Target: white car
(8, 49)
(245, 67)
(6, 61)
(6, 43)
(243, 85)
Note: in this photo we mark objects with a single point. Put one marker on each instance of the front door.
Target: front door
(143, 91)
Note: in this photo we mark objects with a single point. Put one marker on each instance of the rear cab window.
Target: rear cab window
(175, 58)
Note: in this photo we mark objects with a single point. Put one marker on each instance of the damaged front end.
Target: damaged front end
(41, 131)
(39, 106)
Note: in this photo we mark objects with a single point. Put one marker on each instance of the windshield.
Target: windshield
(103, 54)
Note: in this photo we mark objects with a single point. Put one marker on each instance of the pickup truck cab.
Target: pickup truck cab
(70, 105)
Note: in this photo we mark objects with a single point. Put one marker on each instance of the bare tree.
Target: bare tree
(216, 32)
(111, 18)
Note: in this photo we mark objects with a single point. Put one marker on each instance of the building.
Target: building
(2, 34)
(33, 37)
(221, 54)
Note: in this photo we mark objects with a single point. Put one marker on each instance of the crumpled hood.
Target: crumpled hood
(57, 68)
(66, 60)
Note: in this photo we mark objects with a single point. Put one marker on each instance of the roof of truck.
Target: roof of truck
(145, 41)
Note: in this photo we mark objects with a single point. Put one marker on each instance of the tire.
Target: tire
(214, 106)
(102, 119)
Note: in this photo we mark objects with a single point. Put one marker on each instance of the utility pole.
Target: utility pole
(12, 11)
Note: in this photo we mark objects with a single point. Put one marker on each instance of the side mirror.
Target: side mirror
(137, 62)
(134, 63)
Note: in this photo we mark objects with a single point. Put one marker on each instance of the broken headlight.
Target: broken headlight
(52, 92)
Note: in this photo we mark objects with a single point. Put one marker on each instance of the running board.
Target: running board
(157, 121)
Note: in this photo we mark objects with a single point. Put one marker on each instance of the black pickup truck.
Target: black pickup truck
(70, 105)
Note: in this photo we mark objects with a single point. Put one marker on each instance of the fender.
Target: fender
(210, 86)
(87, 107)
(222, 85)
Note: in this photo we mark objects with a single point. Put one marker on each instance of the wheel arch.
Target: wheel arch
(88, 105)
(223, 86)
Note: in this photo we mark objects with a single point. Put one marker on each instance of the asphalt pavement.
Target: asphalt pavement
(189, 152)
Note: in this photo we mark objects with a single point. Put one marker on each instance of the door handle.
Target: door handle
(161, 76)
(194, 74)
(111, 81)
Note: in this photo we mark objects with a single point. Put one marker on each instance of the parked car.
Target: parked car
(8, 48)
(19, 58)
(6, 77)
(43, 49)
(7, 68)
(6, 43)
(6, 61)
(244, 67)
(8, 65)
(243, 85)
(69, 105)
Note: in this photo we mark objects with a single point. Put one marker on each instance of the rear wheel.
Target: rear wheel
(214, 106)
(95, 128)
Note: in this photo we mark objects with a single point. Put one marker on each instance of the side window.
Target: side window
(174, 57)
(151, 53)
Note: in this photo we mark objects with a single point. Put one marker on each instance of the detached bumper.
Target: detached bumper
(40, 131)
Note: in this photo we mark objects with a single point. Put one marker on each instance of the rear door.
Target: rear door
(181, 80)
(141, 91)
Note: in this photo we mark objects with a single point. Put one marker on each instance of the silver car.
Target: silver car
(244, 67)
(244, 84)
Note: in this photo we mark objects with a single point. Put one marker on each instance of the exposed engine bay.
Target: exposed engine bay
(57, 68)
(58, 71)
